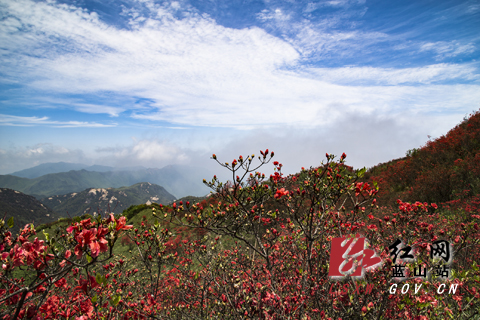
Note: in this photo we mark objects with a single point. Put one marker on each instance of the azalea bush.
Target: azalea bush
(258, 248)
(51, 277)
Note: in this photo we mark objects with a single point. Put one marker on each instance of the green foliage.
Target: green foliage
(134, 210)
(10, 223)
(412, 152)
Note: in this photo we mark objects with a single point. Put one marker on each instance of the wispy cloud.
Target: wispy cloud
(473, 8)
(38, 100)
(277, 15)
(18, 121)
(318, 38)
(448, 49)
(431, 74)
(341, 3)
(98, 109)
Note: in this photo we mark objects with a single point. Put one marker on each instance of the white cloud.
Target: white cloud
(153, 150)
(44, 148)
(314, 42)
(97, 108)
(445, 49)
(199, 73)
(19, 121)
(146, 152)
(46, 102)
(14, 159)
(332, 35)
(343, 3)
(390, 76)
(312, 6)
(277, 15)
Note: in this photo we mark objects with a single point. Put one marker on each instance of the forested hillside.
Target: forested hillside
(444, 170)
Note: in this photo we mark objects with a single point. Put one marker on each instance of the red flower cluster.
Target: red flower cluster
(280, 193)
(27, 253)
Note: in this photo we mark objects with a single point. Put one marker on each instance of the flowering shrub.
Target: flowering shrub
(259, 248)
(445, 169)
(36, 274)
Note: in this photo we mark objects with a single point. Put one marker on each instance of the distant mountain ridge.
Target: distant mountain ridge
(57, 167)
(115, 200)
(178, 180)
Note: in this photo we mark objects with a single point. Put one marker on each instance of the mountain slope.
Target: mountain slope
(24, 209)
(94, 200)
(445, 169)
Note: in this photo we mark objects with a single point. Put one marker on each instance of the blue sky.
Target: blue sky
(153, 83)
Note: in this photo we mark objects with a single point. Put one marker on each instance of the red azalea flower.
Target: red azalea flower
(281, 192)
